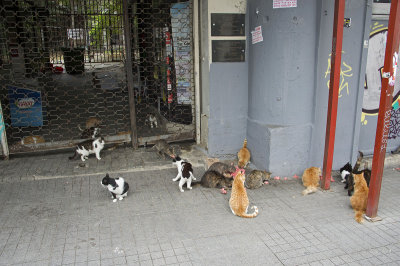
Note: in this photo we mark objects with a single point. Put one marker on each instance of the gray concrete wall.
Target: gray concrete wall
(281, 85)
(228, 108)
(228, 93)
(287, 87)
(351, 85)
(288, 84)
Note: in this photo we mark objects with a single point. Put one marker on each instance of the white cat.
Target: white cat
(89, 147)
(185, 173)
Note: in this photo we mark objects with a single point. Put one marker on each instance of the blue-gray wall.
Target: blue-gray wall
(354, 55)
(228, 108)
(281, 85)
(278, 99)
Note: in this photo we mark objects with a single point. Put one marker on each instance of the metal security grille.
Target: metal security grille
(162, 44)
(62, 63)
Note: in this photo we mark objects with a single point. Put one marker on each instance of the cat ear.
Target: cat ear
(107, 175)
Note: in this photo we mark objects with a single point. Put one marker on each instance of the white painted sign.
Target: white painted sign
(284, 3)
(256, 35)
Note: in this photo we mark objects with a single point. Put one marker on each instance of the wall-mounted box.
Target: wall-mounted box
(228, 50)
(227, 24)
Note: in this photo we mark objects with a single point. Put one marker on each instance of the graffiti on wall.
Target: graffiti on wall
(394, 129)
(345, 73)
(373, 80)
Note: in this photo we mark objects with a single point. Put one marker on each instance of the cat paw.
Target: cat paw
(121, 198)
(189, 187)
(114, 200)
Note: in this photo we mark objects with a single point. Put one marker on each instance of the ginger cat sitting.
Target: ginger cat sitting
(243, 155)
(239, 202)
(359, 199)
(310, 179)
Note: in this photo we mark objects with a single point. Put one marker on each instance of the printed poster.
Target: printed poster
(182, 44)
(284, 3)
(256, 35)
(25, 107)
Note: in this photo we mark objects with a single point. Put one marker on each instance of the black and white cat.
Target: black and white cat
(151, 120)
(345, 171)
(117, 186)
(89, 147)
(185, 173)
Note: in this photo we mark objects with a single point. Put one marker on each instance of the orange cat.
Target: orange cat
(311, 179)
(239, 202)
(359, 199)
(32, 140)
(91, 122)
(243, 155)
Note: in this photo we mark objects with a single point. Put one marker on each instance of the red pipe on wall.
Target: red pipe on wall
(336, 62)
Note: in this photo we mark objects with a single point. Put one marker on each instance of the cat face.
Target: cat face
(107, 180)
(358, 178)
(240, 177)
(346, 167)
(99, 143)
(176, 159)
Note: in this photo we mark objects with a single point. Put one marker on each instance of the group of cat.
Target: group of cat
(355, 180)
(224, 176)
(218, 175)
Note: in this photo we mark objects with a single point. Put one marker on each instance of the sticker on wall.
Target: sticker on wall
(284, 3)
(256, 35)
(393, 77)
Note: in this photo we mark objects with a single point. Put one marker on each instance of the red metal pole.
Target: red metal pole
(385, 107)
(336, 58)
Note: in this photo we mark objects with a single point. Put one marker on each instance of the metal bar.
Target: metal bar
(129, 75)
(336, 57)
(196, 67)
(385, 108)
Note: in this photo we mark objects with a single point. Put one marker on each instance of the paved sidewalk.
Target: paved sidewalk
(71, 220)
(119, 160)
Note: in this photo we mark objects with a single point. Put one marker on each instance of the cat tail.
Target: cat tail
(358, 162)
(245, 143)
(73, 156)
(358, 216)
(309, 190)
(250, 215)
(195, 183)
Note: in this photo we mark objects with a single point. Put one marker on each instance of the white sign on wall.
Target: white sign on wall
(256, 35)
(284, 3)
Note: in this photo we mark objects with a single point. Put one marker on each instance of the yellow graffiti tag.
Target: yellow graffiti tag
(345, 72)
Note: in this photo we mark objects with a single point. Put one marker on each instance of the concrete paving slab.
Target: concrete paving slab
(54, 213)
